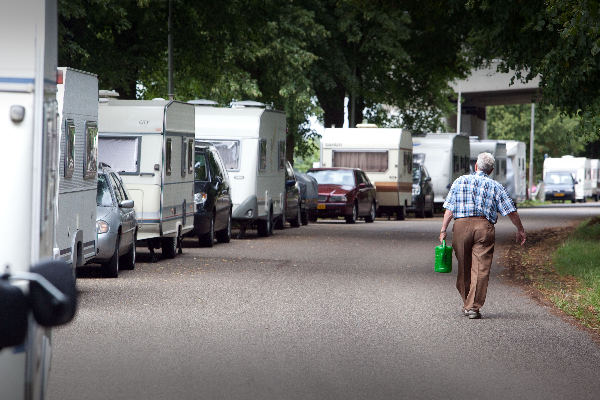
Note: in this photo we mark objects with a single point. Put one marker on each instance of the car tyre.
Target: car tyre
(351, 219)
(371, 217)
(169, 247)
(429, 213)
(280, 222)
(128, 261)
(420, 210)
(400, 213)
(208, 239)
(295, 223)
(304, 217)
(110, 269)
(224, 236)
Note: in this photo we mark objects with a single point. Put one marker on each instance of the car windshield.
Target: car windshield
(416, 174)
(103, 197)
(200, 169)
(333, 177)
(554, 178)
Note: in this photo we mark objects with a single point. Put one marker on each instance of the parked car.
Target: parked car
(292, 202)
(345, 192)
(116, 224)
(212, 196)
(422, 192)
(309, 190)
(559, 185)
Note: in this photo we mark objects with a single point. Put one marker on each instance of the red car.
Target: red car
(345, 192)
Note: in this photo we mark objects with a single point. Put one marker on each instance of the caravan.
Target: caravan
(28, 167)
(151, 144)
(516, 169)
(251, 142)
(384, 154)
(495, 148)
(595, 166)
(446, 157)
(579, 167)
(77, 97)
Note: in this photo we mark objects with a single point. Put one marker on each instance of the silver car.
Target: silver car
(116, 224)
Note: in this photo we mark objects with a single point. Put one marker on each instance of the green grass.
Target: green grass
(579, 257)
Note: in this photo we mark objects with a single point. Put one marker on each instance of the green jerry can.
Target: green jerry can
(443, 258)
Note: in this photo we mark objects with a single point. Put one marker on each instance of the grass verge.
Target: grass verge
(563, 266)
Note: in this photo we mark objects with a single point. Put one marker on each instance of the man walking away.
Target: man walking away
(474, 202)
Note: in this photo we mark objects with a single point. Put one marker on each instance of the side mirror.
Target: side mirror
(13, 315)
(126, 204)
(428, 179)
(290, 183)
(54, 304)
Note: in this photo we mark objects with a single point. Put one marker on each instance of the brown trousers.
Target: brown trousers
(473, 242)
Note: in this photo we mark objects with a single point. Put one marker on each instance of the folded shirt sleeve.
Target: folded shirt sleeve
(451, 198)
(504, 203)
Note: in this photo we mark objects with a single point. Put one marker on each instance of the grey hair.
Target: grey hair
(485, 162)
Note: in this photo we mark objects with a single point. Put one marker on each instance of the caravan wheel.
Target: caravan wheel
(169, 247)
(265, 226)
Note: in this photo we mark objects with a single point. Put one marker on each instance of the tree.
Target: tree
(555, 134)
(556, 40)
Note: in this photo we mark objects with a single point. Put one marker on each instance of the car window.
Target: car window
(416, 173)
(333, 177)
(200, 167)
(120, 186)
(103, 196)
(365, 178)
(219, 161)
(214, 167)
(115, 186)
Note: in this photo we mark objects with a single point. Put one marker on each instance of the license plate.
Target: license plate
(321, 206)
(559, 194)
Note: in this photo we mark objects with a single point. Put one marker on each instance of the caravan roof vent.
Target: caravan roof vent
(106, 94)
(158, 99)
(203, 102)
(365, 125)
(248, 103)
(568, 156)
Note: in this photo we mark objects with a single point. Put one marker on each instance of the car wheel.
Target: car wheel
(169, 247)
(371, 216)
(429, 213)
(420, 210)
(128, 261)
(351, 219)
(224, 236)
(304, 217)
(208, 239)
(110, 269)
(279, 223)
(313, 216)
(400, 213)
(265, 226)
(295, 223)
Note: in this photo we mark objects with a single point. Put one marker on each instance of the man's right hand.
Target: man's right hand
(521, 237)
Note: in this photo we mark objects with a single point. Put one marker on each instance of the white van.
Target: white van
(579, 167)
(251, 142)
(77, 97)
(28, 169)
(516, 169)
(151, 144)
(384, 154)
(495, 148)
(446, 157)
(595, 166)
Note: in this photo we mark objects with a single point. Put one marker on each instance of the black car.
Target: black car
(293, 200)
(309, 190)
(559, 185)
(212, 196)
(422, 192)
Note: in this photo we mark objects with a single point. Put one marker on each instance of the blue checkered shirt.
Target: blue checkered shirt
(478, 195)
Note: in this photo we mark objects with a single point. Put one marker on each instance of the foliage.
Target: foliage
(555, 134)
(556, 40)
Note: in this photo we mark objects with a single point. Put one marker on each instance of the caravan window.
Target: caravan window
(121, 153)
(370, 161)
(168, 157)
(229, 150)
(281, 154)
(262, 154)
(408, 161)
(190, 156)
(90, 163)
(69, 148)
(183, 155)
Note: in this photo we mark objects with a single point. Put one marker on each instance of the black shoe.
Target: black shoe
(473, 314)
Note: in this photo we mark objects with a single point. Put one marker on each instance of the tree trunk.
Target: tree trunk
(332, 103)
(290, 144)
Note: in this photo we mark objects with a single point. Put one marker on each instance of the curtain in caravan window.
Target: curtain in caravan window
(370, 161)
(120, 153)
(229, 150)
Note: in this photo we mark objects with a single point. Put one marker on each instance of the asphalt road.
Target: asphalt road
(326, 311)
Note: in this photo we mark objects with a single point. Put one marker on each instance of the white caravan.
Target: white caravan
(516, 169)
(595, 166)
(446, 157)
(151, 144)
(495, 148)
(384, 154)
(579, 167)
(251, 142)
(77, 97)
(28, 169)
